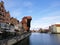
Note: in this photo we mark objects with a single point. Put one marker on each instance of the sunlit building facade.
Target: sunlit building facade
(55, 28)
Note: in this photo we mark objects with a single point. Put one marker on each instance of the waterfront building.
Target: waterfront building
(19, 28)
(6, 22)
(4, 15)
(11, 30)
(26, 22)
(14, 21)
(55, 28)
(9, 23)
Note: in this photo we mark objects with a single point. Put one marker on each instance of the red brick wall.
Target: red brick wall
(25, 22)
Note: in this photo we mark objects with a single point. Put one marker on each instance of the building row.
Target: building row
(9, 23)
(5, 15)
(55, 28)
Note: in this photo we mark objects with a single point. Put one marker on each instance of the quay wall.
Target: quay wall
(14, 40)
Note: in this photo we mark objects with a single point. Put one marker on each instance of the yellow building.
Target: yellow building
(55, 28)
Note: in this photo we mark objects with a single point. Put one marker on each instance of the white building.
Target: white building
(55, 28)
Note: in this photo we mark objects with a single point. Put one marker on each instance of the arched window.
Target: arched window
(2, 6)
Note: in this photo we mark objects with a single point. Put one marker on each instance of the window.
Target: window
(1, 19)
(1, 14)
(2, 11)
(2, 6)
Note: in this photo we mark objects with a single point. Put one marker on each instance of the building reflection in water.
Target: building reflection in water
(26, 41)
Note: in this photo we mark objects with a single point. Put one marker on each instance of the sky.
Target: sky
(43, 12)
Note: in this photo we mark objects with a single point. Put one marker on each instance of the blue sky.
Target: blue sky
(44, 12)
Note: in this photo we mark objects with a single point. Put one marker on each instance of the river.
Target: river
(41, 39)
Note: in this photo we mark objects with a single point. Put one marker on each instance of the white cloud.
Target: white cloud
(41, 22)
(45, 22)
(51, 18)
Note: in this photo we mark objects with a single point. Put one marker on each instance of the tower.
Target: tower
(26, 22)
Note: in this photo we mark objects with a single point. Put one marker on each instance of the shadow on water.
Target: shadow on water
(23, 42)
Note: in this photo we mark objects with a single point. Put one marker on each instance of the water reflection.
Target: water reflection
(41, 39)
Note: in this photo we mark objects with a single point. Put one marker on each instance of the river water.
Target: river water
(41, 39)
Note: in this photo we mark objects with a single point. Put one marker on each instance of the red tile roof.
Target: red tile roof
(58, 25)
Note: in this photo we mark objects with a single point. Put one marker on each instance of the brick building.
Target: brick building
(2, 12)
(5, 18)
(5, 15)
(14, 21)
(26, 22)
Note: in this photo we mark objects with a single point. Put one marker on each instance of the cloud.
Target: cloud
(49, 15)
(45, 22)
(50, 18)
